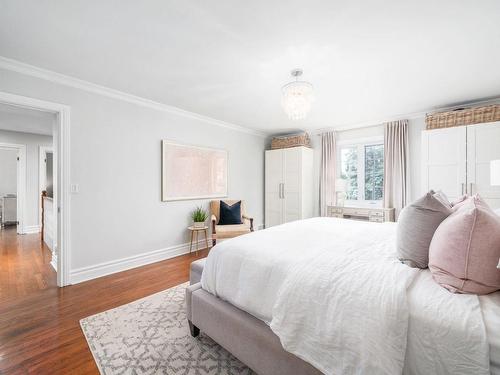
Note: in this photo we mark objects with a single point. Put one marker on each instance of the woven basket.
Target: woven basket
(288, 141)
(465, 116)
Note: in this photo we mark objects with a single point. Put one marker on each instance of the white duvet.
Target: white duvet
(334, 293)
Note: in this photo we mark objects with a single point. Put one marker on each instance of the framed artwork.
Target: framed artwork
(191, 172)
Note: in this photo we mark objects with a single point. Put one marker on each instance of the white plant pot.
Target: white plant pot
(199, 224)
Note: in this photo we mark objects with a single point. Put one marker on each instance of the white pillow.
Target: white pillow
(497, 211)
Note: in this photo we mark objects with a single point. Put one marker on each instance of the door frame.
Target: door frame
(20, 182)
(42, 151)
(61, 140)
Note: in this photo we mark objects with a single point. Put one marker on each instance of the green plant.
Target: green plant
(199, 215)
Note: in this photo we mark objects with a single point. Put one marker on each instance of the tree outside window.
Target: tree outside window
(374, 172)
(362, 166)
(349, 171)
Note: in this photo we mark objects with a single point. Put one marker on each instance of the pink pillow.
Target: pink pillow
(457, 203)
(464, 251)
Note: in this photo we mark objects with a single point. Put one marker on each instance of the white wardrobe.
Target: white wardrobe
(289, 185)
(457, 160)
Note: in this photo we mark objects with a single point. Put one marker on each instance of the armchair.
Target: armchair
(220, 232)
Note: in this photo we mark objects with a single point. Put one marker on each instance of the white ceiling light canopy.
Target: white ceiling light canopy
(297, 97)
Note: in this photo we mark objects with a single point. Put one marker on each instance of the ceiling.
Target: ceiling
(369, 61)
(25, 120)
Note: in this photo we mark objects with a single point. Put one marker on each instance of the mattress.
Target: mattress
(248, 272)
(490, 306)
(435, 310)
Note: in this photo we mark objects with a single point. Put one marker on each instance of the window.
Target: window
(362, 166)
(349, 171)
(374, 172)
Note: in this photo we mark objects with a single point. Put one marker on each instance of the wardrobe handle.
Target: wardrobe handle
(283, 189)
(463, 185)
(280, 197)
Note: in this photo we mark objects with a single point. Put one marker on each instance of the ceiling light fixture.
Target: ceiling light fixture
(297, 97)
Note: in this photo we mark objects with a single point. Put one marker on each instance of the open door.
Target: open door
(48, 217)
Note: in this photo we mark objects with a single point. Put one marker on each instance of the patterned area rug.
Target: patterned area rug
(151, 336)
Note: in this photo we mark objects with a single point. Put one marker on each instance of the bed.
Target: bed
(328, 295)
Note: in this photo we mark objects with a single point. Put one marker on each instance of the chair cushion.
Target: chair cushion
(465, 249)
(215, 207)
(230, 214)
(416, 226)
(228, 231)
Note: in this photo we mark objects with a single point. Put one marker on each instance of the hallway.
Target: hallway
(24, 265)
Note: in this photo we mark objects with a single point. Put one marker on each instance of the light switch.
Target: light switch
(75, 188)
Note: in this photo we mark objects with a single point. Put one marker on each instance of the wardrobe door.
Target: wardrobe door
(292, 183)
(274, 188)
(307, 178)
(444, 161)
(483, 145)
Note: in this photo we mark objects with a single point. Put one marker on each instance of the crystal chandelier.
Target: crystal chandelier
(297, 97)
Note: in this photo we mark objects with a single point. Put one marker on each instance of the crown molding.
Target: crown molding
(408, 116)
(54, 77)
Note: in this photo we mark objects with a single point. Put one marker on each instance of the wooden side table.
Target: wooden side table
(194, 235)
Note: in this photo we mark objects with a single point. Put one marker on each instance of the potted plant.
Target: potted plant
(199, 217)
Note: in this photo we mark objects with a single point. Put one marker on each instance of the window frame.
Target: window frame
(360, 144)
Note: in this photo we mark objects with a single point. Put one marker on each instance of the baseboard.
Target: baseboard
(29, 229)
(53, 262)
(107, 268)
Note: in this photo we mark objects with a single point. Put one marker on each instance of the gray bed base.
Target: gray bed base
(246, 337)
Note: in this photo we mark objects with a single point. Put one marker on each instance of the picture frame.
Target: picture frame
(192, 172)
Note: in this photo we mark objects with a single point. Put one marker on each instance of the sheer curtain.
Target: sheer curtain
(396, 164)
(327, 173)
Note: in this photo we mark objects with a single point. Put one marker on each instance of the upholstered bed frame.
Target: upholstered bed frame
(246, 337)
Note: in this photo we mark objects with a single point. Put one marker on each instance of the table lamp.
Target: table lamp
(340, 188)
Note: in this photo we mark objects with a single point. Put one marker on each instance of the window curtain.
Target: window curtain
(327, 173)
(396, 164)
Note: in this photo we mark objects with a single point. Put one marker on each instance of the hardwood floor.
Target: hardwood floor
(39, 322)
(24, 265)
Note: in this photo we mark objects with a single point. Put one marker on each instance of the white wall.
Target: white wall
(33, 143)
(8, 172)
(415, 135)
(25, 120)
(115, 159)
(354, 134)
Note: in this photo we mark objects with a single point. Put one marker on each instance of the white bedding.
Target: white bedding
(334, 294)
(490, 306)
(446, 333)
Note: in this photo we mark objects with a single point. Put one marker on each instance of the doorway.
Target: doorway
(47, 190)
(12, 185)
(60, 155)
